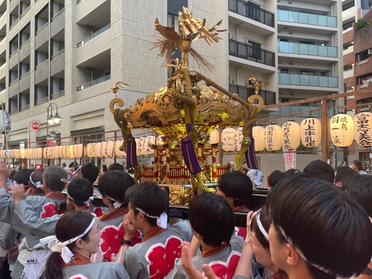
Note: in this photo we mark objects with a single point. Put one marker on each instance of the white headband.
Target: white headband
(87, 202)
(289, 240)
(161, 221)
(55, 245)
(116, 203)
(260, 226)
(37, 184)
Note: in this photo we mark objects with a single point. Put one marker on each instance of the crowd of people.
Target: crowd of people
(77, 222)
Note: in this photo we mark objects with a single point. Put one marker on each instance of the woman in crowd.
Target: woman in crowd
(77, 239)
(312, 235)
(257, 245)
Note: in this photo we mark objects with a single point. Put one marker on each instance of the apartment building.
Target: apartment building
(71, 52)
(357, 48)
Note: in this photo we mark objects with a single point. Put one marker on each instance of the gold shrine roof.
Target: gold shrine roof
(158, 110)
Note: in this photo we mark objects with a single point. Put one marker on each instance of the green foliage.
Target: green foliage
(361, 23)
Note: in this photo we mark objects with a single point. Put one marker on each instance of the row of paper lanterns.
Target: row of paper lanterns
(343, 131)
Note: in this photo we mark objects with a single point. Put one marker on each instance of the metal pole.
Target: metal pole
(325, 133)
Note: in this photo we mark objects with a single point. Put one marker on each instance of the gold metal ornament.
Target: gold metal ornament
(191, 105)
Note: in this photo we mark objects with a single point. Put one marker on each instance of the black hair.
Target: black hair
(114, 184)
(342, 173)
(63, 165)
(54, 177)
(321, 221)
(80, 190)
(90, 172)
(266, 222)
(23, 176)
(319, 169)
(104, 168)
(236, 185)
(116, 166)
(274, 177)
(70, 225)
(360, 187)
(212, 218)
(150, 198)
(358, 164)
(37, 176)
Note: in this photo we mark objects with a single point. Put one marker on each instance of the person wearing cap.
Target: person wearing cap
(155, 256)
(76, 239)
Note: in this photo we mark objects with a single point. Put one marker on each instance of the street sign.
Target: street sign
(36, 125)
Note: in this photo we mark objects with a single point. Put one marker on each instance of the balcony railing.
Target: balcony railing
(93, 82)
(307, 18)
(60, 52)
(308, 80)
(244, 92)
(57, 94)
(307, 49)
(25, 107)
(40, 101)
(93, 35)
(41, 28)
(252, 11)
(249, 52)
(42, 63)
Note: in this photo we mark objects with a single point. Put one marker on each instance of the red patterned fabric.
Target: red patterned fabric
(226, 270)
(111, 237)
(162, 257)
(49, 210)
(98, 212)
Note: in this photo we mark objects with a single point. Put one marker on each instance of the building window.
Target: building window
(348, 24)
(364, 80)
(348, 67)
(348, 5)
(361, 56)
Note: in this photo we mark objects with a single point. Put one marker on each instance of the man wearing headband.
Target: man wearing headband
(155, 256)
(317, 231)
(112, 186)
(212, 221)
(24, 213)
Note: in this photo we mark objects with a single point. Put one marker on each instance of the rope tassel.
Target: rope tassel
(189, 156)
(131, 153)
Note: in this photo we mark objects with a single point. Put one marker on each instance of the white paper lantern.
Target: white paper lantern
(214, 137)
(228, 139)
(118, 152)
(291, 136)
(363, 129)
(258, 134)
(342, 130)
(273, 138)
(311, 132)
